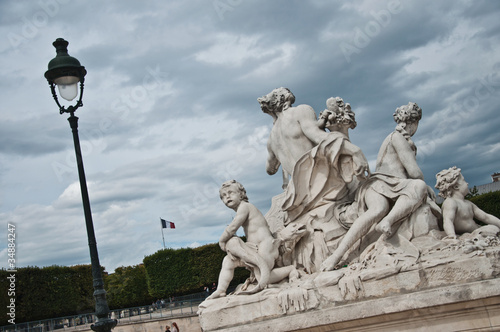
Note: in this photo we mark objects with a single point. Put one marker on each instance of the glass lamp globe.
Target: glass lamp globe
(67, 86)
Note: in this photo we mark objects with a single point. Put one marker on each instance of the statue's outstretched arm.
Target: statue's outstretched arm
(449, 209)
(407, 156)
(272, 162)
(240, 218)
(362, 169)
(309, 124)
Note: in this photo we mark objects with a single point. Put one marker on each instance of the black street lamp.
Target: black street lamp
(65, 72)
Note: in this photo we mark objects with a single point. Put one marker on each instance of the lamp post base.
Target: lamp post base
(104, 325)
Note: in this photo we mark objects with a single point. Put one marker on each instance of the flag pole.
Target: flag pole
(161, 225)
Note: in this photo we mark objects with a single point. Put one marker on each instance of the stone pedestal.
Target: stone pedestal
(454, 295)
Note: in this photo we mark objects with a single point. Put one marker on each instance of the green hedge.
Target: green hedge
(170, 272)
(174, 272)
(58, 291)
(127, 287)
(49, 292)
(489, 202)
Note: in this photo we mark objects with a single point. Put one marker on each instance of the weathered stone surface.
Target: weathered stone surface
(468, 277)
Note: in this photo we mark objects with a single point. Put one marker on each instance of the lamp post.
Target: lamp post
(65, 72)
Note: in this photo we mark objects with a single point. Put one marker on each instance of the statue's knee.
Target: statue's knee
(421, 188)
(233, 243)
(379, 210)
(380, 213)
(228, 263)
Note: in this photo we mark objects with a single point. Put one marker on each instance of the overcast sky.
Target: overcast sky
(170, 107)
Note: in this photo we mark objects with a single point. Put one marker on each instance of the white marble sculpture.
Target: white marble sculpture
(258, 254)
(323, 179)
(459, 213)
(294, 131)
(342, 235)
(394, 191)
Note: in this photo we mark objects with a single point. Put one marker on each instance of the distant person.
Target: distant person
(175, 328)
(167, 329)
(459, 213)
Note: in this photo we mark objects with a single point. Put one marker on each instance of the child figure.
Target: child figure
(260, 251)
(459, 213)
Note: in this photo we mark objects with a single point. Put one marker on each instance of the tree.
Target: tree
(489, 202)
(127, 287)
(50, 292)
(173, 272)
(472, 193)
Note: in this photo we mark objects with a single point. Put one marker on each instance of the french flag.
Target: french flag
(167, 224)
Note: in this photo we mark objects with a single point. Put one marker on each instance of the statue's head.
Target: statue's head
(237, 187)
(446, 181)
(408, 113)
(337, 114)
(277, 100)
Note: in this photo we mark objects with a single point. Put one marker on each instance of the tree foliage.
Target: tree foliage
(170, 271)
(53, 291)
(489, 202)
(173, 272)
(127, 287)
(57, 291)
(472, 193)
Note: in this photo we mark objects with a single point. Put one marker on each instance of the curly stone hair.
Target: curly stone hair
(338, 112)
(408, 113)
(446, 180)
(274, 101)
(239, 186)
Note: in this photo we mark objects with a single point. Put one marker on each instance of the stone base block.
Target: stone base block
(467, 307)
(459, 294)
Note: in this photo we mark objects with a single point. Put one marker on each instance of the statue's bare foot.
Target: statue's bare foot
(216, 294)
(330, 263)
(384, 227)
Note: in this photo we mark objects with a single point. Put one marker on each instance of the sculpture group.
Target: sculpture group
(335, 212)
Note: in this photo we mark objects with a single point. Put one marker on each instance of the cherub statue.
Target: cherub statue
(258, 254)
(459, 213)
